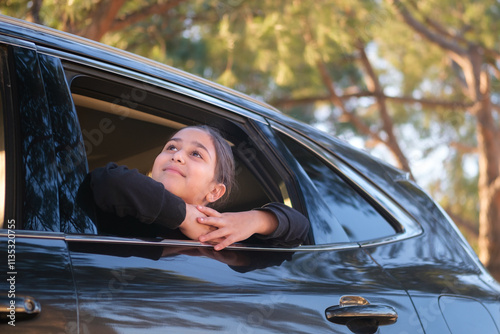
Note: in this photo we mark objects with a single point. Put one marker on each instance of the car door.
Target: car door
(449, 287)
(132, 285)
(38, 292)
(345, 208)
(129, 286)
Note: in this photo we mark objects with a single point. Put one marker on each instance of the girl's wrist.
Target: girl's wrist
(267, 222)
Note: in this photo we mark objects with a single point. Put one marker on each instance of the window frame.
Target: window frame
(405, 224)
(210, 113)
(248, 126)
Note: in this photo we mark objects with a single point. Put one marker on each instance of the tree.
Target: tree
(89, 19)
(474, 64)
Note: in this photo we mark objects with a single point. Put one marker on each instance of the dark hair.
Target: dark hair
(224, 161)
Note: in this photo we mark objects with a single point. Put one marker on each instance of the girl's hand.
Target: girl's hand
(232, 227)
(190, 226)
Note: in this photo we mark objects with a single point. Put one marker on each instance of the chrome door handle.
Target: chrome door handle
(18, 308)
(359, 315)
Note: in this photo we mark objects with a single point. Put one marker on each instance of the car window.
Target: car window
(128, 122)
(40, 209)
(69, 152)
(51, 145)
(360, 220)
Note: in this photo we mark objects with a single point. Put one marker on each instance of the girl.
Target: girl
(195, 170)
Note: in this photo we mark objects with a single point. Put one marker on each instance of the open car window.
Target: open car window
(129, 123)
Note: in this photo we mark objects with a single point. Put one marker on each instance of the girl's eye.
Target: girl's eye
(196, 154)
(170, 148)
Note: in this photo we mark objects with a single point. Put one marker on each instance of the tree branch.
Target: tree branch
(335, 100)
(470, 58)
(490, 53)
(102, 17)
(422, 30)
(374, 86)
(429, 103)
(461, 147)
(333, 97)
(442, 31)
(157, 8)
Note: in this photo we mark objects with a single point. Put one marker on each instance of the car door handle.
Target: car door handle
(359, 315)
(18, 308)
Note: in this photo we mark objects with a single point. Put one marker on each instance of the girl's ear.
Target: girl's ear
(217, 192)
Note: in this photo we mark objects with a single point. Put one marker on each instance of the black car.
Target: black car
(381, 255)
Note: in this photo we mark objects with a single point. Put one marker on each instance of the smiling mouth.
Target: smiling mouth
(173, 171)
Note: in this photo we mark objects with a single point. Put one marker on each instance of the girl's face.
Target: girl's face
(186, 167)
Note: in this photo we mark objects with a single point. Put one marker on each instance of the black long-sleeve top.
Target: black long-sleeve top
(125, 202)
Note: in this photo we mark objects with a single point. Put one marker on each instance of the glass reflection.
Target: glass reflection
(434, 262)
(53, 154)
(40, 208)
(358, 218)
(70, 156)
(131, 286)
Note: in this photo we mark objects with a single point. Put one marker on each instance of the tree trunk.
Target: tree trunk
(105, 18)
(489, 180)
(471, 58)
(34, 12)
(102, 19)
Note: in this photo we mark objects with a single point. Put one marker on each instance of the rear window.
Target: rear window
(360, 220)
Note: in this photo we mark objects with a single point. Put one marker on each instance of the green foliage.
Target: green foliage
(15, 8)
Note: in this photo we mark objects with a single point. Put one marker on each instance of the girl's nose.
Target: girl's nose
(178, 156)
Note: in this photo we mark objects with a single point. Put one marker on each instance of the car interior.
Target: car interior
(129, 126)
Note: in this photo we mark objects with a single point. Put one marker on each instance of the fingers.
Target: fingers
(208, 211)
(212, 236)
(227, 242)
(228, 227)
(220, 238)
(211, 221)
